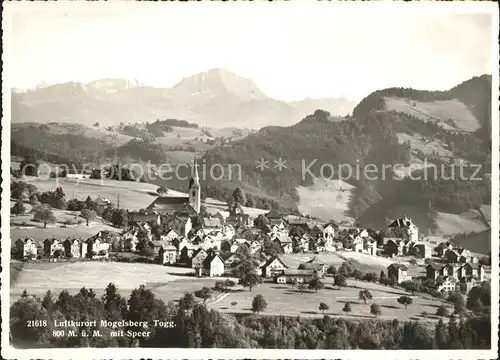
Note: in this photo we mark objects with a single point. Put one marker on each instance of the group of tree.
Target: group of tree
(197, 326)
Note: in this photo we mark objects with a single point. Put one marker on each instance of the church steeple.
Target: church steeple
(194, 188)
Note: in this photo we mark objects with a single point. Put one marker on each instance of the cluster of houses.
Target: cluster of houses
(95, 247)
(210, 243)
(456, 267)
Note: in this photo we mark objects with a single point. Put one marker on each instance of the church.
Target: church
(180, 205)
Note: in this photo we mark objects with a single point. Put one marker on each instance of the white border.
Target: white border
(85, 353)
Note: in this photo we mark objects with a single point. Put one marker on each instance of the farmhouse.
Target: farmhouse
(168, 254)
(410, 229)
(272, 267)
(26, 248)
(399, 272)
(213, 265)
(473, 270)
(294, 276)
(314, 265)
(135, 218)
(433, 270)
(449, 284)
(421, 250)
(53, 248)
(198, 257)
(231, 260)
(75, 248)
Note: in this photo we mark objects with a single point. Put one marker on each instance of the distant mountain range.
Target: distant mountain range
(216, 98)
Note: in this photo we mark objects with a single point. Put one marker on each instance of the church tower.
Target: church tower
(194, 189)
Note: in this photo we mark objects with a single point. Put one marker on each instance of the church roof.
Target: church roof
(168, 204)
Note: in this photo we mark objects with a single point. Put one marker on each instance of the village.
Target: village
(175, 232)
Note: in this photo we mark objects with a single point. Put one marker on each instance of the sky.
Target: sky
(291, 51)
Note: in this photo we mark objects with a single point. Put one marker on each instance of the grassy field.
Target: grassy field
(167, 282)
(439, 111)
(284, 300)
(170, 283)
(326, 199)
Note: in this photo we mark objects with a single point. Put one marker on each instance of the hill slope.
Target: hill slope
(216, 98)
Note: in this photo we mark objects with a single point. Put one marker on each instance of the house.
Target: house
(130, 240)
(451, 256)
(297, 276)
(96, 248)
(473, 270)
(454, 270)
(433, 271)
(352, 241)
(210, 224)
(370, 246)
(182, 225)
(272, 267)
(169, 236)
(26, 248)
(168, 254)
(421, 250)
(213, 265)
(156, 246)
(198, 258)
(231, 260)
(75, 248)
(53, 248)
(407, 246)
(187, 252)
(442, 248)
(449, 284)
(464, 255)
(329, 230)
(410, 229)
(211, 242)
(275, 219)
(314, 265)
(399, 272)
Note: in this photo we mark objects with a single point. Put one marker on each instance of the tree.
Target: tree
(44, 214)
(250, 279)
(205, 293)
(301, 287)
(375, 310)
(239, 196)
(19, 208)
(371, 277)
(347, 308)
(162, 190)
(250, 202)
(332, 270)
(411, 286)
(187, 302)
(229, 283)
(323, 307)
(96, 124)
(382, 277)
(294, 282)
(442, 311)
(88, 215)
(29, 166)
(115, 305)
(358, 275)
(481, 293)
(119, 218)
(365, 295)
(258, 304)
(340, 280)
(316, 284)
(405, 300)
(234, 303)
(441, 337)
(24, 311)
(219, 286)
(413, 262)
(460, 307)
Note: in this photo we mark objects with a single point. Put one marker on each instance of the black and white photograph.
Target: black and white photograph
(250, 179)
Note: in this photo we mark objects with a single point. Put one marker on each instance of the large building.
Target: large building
(168, 205)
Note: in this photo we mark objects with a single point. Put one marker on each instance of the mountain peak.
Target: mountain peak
(218, 82)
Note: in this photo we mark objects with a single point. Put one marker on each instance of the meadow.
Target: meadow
(282, 299)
